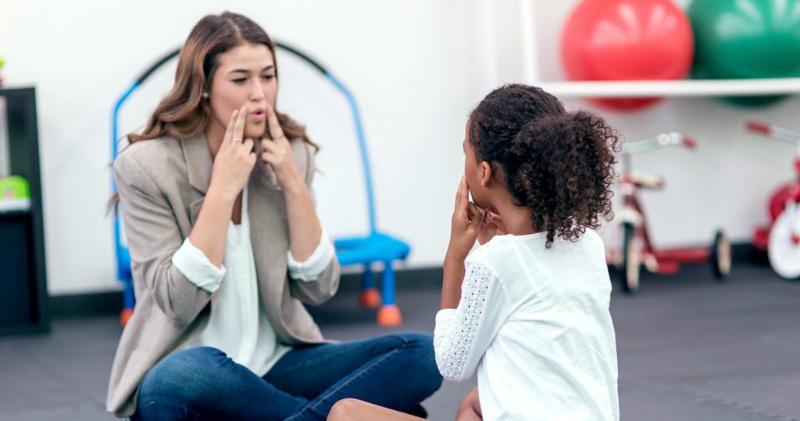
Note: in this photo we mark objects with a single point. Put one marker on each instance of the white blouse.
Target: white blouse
(238, 324)
(535, 323)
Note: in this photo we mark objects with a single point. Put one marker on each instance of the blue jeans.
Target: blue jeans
(397, 371)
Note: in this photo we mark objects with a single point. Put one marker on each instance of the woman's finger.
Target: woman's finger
(238, 126)
(275, 130)
(268, 157)
(247, 145)
(229, 128)
(267, 145)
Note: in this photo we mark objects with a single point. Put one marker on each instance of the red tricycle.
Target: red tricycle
(781, 238)
(636, 249)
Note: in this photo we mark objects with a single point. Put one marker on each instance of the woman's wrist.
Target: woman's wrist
(221, 195)
(294, 186)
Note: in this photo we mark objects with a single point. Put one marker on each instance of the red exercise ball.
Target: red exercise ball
(627, 40)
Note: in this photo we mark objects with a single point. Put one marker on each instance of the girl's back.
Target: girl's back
(553, 355)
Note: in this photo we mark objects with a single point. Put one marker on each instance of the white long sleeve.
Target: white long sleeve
(462, 335)
(311, 268)
(195, 266)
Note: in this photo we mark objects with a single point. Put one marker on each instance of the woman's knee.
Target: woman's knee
(421, 345)
(192, 359)
(184, 371)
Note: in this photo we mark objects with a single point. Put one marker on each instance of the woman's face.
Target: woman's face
(245, 76)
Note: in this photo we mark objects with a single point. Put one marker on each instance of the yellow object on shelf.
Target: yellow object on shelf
(15, 194)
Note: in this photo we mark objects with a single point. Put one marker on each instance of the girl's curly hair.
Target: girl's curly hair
(559, 164)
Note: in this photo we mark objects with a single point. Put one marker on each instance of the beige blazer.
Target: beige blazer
(162, 184)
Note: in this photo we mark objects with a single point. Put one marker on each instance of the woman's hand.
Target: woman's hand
(235, 158)
(277, 152)
(233, 165)
(465, 224)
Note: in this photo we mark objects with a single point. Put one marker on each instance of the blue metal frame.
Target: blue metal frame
(362, 145)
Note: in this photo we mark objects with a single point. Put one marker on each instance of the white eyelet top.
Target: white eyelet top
(535, 324)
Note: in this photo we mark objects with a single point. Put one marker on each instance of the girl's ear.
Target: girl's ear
(486, 173)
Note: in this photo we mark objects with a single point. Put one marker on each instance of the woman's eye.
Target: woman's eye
(239, 81)
(267, 77)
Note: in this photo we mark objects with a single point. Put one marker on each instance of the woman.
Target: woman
(226, 246)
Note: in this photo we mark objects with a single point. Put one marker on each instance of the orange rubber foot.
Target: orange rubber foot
(389, 315)
(124, 316)
(369, 298)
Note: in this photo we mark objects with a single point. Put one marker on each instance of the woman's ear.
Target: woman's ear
(486, 173)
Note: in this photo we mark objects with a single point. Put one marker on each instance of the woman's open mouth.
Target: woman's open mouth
(258, 115)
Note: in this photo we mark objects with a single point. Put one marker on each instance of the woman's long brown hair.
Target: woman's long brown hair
(184, 113)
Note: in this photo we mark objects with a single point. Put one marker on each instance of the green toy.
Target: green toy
(14, 187)
(746, 39)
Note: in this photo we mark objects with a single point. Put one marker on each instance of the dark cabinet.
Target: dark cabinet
(23, 282)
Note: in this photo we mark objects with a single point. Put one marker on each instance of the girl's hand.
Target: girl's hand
(465, 224)
(235, 158)
(489, 227)
(277, 152)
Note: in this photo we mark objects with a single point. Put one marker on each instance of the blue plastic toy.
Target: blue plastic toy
(376, 247)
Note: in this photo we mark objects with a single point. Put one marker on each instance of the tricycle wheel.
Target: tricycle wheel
(783, 251)
(721, 256)
(631, 259)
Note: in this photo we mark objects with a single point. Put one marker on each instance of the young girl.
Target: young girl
(529, 308)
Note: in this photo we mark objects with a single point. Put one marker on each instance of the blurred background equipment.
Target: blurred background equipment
(781, 238)
(746, 39)
(636, 248)
(623, 40)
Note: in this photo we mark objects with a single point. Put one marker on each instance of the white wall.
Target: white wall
(410, 63)
(417, 68)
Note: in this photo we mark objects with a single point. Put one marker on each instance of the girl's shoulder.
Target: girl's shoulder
(531, 250)
(501, 247)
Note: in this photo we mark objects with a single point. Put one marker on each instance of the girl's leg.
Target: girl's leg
(356, 410)
(396, 371)
(204, 384)
(470, 408)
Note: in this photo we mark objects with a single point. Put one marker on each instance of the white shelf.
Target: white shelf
(677, 88)
(14, 205)
(621, 89)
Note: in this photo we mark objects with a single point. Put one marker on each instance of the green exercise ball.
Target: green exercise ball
(746, 39)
